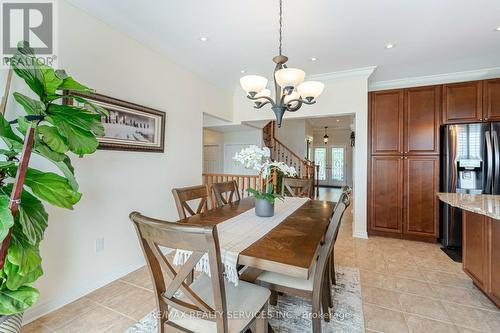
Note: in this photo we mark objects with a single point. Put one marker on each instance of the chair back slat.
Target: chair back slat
(184, 195)
(297, 187)
(200, 240)
(226, 192)
(330, 237)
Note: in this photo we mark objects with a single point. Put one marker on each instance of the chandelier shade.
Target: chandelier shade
(289, 77)
(290, 90)
(310, 89)
(253, 83)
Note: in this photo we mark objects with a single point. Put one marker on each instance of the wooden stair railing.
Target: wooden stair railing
(281, 153)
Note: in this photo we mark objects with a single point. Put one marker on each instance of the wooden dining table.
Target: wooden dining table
(290, 248)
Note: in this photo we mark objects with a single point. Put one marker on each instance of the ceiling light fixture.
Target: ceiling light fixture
(290, 89)
(325, 137)
(243, 71)
(389, 46)
(203, 39)
(497, 28)
(338, 120)
(313, 59)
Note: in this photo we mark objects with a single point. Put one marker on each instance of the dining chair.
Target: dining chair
(226, 192)
(203, 306)
(294, 187)
(346, 190)
(184, 195)
(317, 287)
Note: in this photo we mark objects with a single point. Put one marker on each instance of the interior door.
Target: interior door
(338, 166)
(321, 158)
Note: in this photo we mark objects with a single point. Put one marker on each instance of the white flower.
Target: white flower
(258, 159)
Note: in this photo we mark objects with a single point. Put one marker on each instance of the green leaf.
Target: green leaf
(53, 139)
(23, 125)
(31, 106)
(76, 117)
(6, 218)
(24, 255)
(12, 302)
(70, 84)
(50, 80)
(14, 279)
(42, 149)
(26, 66)
(32, 217)
(7, 132)
(62, 161)
(6, 164)
(52, 188)
(61, 73)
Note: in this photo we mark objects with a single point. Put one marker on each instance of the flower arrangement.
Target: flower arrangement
(259, 159)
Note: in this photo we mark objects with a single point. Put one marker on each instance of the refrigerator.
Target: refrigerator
(470, 163)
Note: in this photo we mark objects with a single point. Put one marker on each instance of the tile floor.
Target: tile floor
(406, 286)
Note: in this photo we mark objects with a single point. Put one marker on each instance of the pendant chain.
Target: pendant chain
(281, 25)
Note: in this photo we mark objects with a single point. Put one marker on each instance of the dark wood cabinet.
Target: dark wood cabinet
(491, 100)
(462, 102)
(386, 120)
(422, 120)
(421, 182)
(494, 270)
(475, 247)
(386, 193)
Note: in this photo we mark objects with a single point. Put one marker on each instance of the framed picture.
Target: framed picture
(128, 126)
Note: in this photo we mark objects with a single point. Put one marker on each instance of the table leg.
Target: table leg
(250, 274)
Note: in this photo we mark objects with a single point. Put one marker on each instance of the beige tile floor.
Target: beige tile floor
(406, 286)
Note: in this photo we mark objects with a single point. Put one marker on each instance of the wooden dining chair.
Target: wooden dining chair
(203, 306)
(344, 198)
(226, 192)
(184, 195)
(294, 187)
(317, 287)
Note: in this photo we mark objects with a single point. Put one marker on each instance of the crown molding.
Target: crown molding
(480, 74)
(363, 72)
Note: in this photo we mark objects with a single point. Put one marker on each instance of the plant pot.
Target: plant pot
(264, 208)
(11, 324)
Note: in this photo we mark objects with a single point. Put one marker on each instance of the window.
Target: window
(320, 159)
(338, 154)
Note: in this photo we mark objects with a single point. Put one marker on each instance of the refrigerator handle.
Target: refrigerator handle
(497, 163)
(489, 161)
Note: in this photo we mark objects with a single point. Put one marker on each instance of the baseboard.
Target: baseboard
(41, 309)
(360, 234)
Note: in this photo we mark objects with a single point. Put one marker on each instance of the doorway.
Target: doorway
(332, 165)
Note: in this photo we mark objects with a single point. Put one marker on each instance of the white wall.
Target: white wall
(116, 183)
(293, 135)
(345, 93)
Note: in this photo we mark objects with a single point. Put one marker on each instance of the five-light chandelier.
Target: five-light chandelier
(290, 89)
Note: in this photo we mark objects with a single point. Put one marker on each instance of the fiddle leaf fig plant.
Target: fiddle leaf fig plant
(52, 130)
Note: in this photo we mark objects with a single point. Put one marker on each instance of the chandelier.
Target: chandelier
(290, 89)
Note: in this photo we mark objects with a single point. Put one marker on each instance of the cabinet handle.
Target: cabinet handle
(401, 157)
(406, 158)
(406, 152)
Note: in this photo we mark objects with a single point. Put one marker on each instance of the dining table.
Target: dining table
(290, 248)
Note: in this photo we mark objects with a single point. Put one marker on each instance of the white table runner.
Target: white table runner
(239, 232)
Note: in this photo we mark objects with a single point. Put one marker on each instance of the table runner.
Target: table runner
(239, 232)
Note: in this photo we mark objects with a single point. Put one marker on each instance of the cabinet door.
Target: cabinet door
(422, 119)
(491, 104)
(494, 234)
(462, 102)
(386, 190)
(386, 122)
(475, 248)
(421, 183)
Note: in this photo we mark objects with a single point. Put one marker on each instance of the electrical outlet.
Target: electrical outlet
(99, 244)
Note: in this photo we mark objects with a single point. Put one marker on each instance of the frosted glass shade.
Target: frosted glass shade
(289, 77)
(310, 89)
(264, 92)
(292, 96)
(253, 83)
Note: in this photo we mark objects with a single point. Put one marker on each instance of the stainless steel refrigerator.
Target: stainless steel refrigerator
(470, 164)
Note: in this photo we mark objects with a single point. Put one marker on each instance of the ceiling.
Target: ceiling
(341, 122)
(431, 36)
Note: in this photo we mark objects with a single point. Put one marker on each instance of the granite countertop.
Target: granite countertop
(483, 204)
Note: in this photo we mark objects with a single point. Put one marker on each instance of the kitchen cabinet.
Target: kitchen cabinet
(421, 182)
(422, 120)
(463, 102)
(386, 194)
(481, 253)
(386, 119)
(491, 101)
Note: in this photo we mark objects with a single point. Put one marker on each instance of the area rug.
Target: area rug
(291, 313)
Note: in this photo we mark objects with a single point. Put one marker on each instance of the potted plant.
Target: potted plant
(259, 159)
(49, 129)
